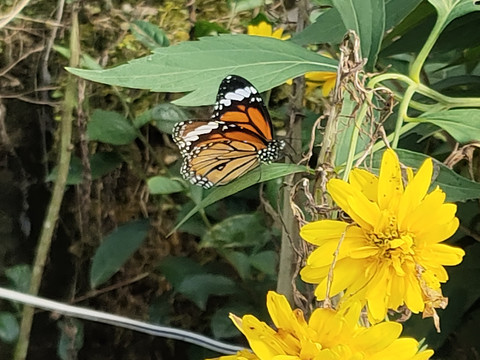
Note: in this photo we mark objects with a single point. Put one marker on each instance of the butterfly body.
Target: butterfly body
(237, 139)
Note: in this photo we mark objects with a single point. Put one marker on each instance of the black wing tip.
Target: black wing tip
(234, 81)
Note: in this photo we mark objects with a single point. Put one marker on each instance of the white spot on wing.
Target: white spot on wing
(225, 102)
(246, 92)
(201, 130)
(234, 96)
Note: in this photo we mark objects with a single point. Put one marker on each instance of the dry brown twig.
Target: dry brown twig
(4, 20)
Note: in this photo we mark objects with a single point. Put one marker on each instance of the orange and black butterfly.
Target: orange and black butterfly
(237, 139)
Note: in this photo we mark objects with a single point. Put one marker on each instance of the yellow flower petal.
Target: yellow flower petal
(415, 190)
(365, 182)
(386, 332)
(390, 186)
(319, 232)
(328, 86)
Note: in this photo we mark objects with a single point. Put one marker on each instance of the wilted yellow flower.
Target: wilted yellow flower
(325, 79)
(392, 254)
(328, 335)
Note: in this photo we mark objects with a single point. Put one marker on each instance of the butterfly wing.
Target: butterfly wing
(237, 138)
(239, 102)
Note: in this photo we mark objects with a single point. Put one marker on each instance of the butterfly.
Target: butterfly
(237, 138)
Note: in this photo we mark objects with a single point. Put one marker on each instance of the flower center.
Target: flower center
(393, 244)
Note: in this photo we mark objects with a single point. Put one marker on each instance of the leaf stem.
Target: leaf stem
(418, 63)
(402, 113)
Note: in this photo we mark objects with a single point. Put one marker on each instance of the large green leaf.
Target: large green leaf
(449, 10)
(260, 174)
(397, 10)
(116, 249)
(367, 19)
(462, 124)
(345, 130)
(199, 66)
(329, 28)
(456, 187)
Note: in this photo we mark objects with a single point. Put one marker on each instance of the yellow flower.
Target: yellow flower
(392, 254)
(314, 79)
(241, 355)
(325, 79)
(328, 335)
(265, 29)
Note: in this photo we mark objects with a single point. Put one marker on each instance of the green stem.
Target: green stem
(417, 65)
(402, 113)
(49, 224)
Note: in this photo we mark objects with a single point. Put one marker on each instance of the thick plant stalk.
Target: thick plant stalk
(290, 236)
(51, 218)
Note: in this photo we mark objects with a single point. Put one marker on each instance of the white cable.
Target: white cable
(105, 318)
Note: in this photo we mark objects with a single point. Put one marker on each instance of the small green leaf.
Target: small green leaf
(237, 231)
(207, 28)
(9, 328)
(162, 185)
(265, 261)
(86, 61)
(19, 277)
(116, 249)
(177, 268)
(159, 309)
(456, 187)
(71, 338)
(462, 124)
(198, 288)
(149, 34)
(111, 128)
(240, 262)
(260, 174)
(199, 66)
(101, 164)
(165, 116)
(449, 10)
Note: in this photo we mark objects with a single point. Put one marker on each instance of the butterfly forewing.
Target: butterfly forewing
(237, 138)
(239, 102)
